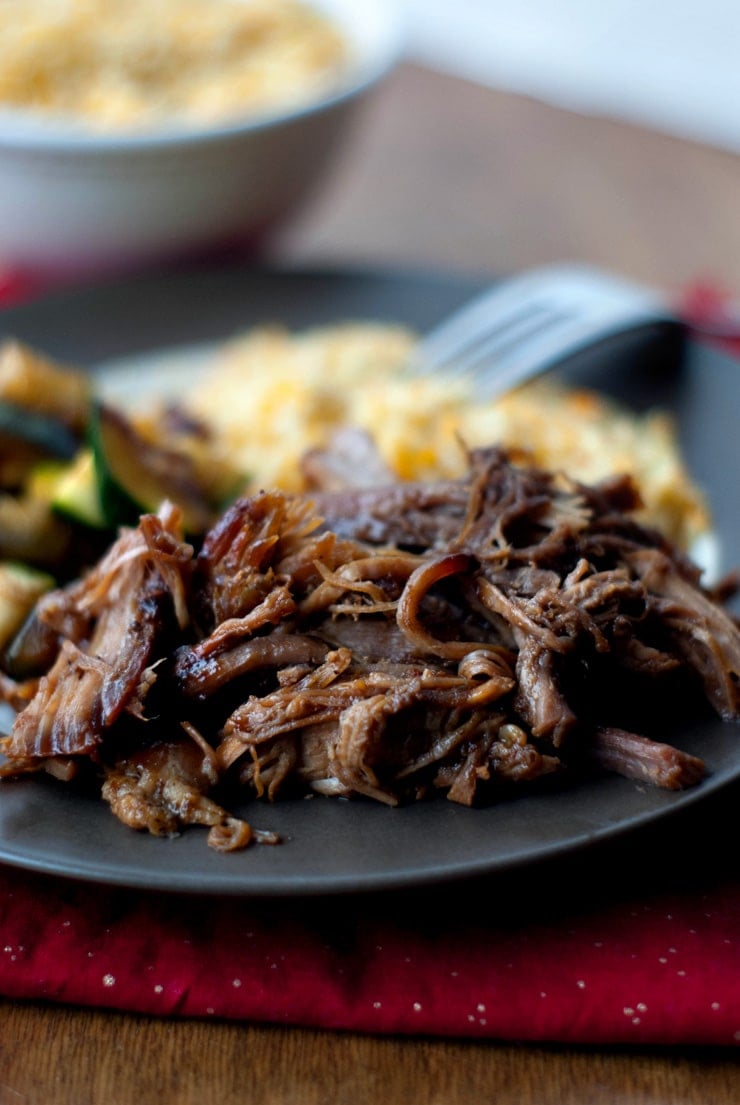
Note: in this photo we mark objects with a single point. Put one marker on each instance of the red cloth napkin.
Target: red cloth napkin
(637, 942)
(706, 305)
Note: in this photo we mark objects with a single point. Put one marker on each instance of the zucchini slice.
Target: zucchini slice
(76, 495)
(20, 588)
(38, 432)
(135, 476)
(42, 386)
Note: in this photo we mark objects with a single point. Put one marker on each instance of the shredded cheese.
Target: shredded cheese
(272, 394)
(121, 64)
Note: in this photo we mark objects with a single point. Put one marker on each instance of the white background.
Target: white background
(669, 64)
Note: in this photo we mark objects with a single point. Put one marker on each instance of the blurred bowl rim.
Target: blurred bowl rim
(373, 56)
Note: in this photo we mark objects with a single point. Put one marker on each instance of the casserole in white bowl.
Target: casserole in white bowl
(80, 199)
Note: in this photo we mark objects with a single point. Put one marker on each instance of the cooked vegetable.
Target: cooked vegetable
(76, 494)
(39, 385)
(43, 413)
(135, 475)
(20, 589)
(30, 532)
(37, 432)
(32, 650)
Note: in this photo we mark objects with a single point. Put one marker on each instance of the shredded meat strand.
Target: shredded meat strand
(383, 642)
(127, 599)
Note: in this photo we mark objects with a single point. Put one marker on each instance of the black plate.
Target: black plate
(330, 845)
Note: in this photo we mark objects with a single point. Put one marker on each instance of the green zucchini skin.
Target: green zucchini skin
(76, 496)
(47, 435)
(135, 476)
(106, 433)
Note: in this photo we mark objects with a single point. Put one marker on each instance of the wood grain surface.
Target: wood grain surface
(440, 174)
(448, 174)
(64, 1056)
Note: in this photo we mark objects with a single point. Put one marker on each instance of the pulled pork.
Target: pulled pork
(390, 642)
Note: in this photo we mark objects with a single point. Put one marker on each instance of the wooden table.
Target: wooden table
(448, 174)
(445, 175)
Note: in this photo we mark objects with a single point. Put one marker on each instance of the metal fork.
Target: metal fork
(531, 323)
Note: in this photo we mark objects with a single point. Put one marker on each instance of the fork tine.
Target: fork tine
(548, 346)
(486, 346)
(502, 304)
(505, 300)
(529, 322)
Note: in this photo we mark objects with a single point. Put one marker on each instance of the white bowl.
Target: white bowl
(73, 202)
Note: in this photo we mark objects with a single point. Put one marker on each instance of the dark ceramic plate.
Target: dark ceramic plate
(336, 846)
